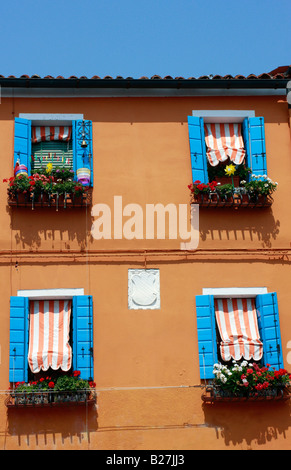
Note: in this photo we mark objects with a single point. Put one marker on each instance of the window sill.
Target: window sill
(213, 394)
(56, 201)
(50, 399)
(235, 201)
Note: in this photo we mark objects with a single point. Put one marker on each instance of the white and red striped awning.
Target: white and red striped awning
(49, 329)
(224, 141)
(238, 328)
(44, 134)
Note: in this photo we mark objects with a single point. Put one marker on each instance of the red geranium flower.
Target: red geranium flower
(51, 384)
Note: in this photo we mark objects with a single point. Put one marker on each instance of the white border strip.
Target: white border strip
(223, 115)
(50, 293)
(42, 119)
(223, 292)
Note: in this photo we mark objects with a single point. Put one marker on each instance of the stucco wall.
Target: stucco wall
(146, 361)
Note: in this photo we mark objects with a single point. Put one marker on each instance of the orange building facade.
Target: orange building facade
(147, 355)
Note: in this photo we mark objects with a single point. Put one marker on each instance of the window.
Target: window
(40, 141)
(143, 289)
(209, 338)
(78, 333)
(253, 135)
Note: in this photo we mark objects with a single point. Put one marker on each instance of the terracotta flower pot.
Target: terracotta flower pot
(22, 198)
(202, 197)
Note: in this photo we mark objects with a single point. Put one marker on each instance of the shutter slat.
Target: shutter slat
(59, 153)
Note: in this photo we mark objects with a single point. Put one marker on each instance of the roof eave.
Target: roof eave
(79, 83)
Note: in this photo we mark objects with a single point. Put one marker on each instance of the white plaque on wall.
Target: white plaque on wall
(143, 289)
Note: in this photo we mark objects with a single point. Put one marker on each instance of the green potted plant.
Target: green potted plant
(201, 191)
(78, 191)
(225, 191)
(19, 188)
(260, 187)
(62, 174)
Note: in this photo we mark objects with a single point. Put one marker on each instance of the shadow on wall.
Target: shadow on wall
(257, 226)
(66, 228)
(251, 424)
(44, 426)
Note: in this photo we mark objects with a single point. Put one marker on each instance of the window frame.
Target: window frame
(82, 325)
(81, 158)
(268, 322)
(254, 141)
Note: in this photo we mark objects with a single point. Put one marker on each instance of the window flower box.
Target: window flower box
(247, 381)
(52, 399)
(48, 188)
(54, 200)
(50, 391)
(256, 193)
(216, 394)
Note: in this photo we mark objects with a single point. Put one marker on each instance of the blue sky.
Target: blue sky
(137, 38)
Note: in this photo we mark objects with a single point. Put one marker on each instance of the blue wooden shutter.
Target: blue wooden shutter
(269, 328)
(206, 335)
(197, 149)
(253, 131)
(22, 142)
(18, 363)
(82, 157)
(83, 335)
(245, 135)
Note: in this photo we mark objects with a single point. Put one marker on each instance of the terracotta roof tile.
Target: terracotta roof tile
(282, 72)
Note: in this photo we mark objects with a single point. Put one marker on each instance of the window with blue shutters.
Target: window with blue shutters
(76, 154)
(208, 339)
(253, 133)
(81, 337)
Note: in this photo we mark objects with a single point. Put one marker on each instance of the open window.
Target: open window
(59, 142)
(237, 330)
(250, 136)
(259, 342)
(50, 336)
(54, 333)
(224, 147)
